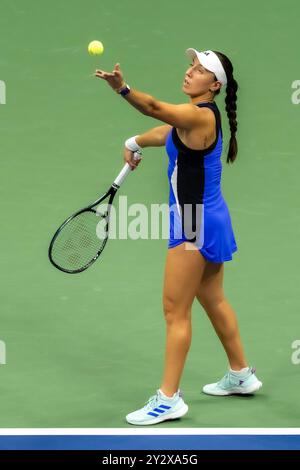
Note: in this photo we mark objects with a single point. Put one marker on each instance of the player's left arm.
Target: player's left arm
(183, 116)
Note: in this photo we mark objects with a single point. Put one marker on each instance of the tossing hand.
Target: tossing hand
(114, 78)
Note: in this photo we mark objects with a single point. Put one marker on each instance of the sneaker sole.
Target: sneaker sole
(160, 419)
(237, 391)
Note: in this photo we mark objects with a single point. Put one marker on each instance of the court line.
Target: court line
(130, 432)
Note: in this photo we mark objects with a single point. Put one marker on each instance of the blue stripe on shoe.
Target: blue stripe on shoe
(165, 407)
(159, 411)
(152, 414)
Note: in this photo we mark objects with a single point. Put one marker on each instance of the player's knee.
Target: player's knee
(209, 301)
(169, 306)
(175, 311)
(172, 310)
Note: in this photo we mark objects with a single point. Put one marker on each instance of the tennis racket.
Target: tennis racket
(81, 238)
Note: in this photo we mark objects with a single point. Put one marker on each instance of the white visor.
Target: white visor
(211, 62)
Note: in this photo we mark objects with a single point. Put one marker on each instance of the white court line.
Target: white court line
(148, 432)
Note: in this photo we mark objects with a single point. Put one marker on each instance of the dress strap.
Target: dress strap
(215, 109)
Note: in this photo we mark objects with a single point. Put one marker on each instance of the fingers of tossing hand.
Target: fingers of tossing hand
(103, 74)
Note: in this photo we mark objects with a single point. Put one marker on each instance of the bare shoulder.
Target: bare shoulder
(205, 117)
(203, 133)
(206, 114)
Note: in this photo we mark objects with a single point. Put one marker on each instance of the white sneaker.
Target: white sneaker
(232, 383)
(159, 408)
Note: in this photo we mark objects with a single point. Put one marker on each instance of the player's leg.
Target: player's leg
(211, 296)
(183, 273)
(240, 378)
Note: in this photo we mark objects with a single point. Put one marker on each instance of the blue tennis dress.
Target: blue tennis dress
(198, 212)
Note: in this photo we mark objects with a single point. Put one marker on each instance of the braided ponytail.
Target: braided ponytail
(230, 102)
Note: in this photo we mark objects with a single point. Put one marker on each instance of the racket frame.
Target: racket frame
(112, 192)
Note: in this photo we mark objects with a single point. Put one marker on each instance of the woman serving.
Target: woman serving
(201, 234)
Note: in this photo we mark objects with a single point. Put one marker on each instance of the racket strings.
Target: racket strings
(79, 241)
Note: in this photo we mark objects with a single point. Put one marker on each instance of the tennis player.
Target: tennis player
(202, 238)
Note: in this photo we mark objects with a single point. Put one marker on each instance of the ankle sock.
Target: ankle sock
(240, 372)
(165, 396)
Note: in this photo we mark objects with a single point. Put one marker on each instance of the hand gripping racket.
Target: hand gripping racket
(78, 242)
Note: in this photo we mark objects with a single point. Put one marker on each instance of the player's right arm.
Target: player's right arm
(155, 137)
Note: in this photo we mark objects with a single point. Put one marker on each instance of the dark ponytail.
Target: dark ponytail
(230, 101)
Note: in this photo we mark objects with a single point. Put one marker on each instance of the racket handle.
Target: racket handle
(126, 170)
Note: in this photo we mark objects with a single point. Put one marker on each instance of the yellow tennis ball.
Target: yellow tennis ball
(95, 48)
